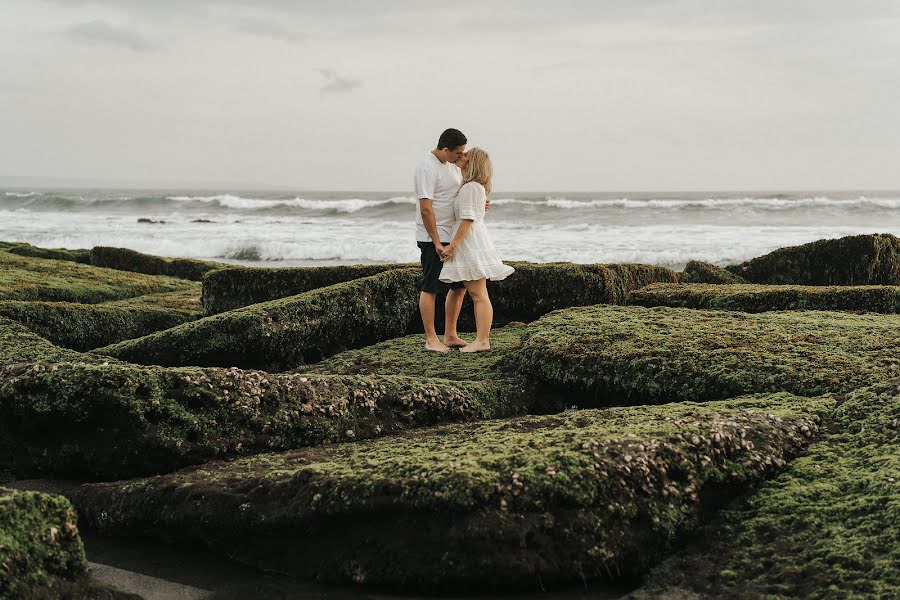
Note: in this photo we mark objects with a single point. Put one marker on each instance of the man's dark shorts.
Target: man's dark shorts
(431, 270)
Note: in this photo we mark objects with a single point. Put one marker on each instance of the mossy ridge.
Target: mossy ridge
(762, 298)
(85, 326)
(698, 271)
(39, 542)
(568, 497)
(237, 287)
(827, 527)
(80, 256)
(18, 344)
(186, 301)
(114, 421)
(538, 288)
(407, 356)
(25, 278)
(853, 260)
(123, 259)
(534, 290)
(283, 334)
(649, 355)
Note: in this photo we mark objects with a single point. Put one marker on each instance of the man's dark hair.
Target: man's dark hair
(451, 138)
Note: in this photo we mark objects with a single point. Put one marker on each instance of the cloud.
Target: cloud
(104, 33)
(338, 83)
(271, 29)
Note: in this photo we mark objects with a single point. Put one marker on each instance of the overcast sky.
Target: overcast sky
(565, 95)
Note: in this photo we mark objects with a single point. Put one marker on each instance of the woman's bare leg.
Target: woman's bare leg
(452, 307)
(484, 316)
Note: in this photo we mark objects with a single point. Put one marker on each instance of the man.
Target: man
(437, 181)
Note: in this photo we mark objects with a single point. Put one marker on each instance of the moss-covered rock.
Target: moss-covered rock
(534, 290)
(827, 527)
(86, 326)
(538, 288)
(124, 259)
(495, 505)
(647, 355)
(80, 256)
(283, 334)
(39, 542)
(854, 260)
(236, 287)
(26, 278)
(762, 298)
(110, 421)
(18, 344)
(186, 301)
(407, 356)
(697, 271)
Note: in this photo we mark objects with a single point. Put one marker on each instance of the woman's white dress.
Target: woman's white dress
(476, 256)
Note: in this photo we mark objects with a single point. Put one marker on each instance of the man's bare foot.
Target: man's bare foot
(436, 346)
(454, 341)
(477, 347)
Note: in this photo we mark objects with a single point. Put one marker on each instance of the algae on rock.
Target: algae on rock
(283, 334)
(124, 259)
(827, 527)
(26, 278)
(762, 298)
(515, 503)
(613, 354)
(872, 259)
(39, 542)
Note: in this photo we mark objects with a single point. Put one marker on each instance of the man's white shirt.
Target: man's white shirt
(440, 182)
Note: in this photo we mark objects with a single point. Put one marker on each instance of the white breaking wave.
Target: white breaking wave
(21, 194)
(348, 205)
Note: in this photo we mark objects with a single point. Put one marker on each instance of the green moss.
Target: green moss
(407, 356)
(81, 256)
(186, 301)
(39, 542)
(18, 344)
(827, 527)
(697, 271)
(86, 326)
(853, 260)
(283, 334)
(25, 278)
(650, 355)
(236, 287)
(108, 421)
(124, 259)
(762, 298)
(536, 289)
(491, 505)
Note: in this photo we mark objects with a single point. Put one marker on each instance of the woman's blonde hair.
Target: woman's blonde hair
(479, 168)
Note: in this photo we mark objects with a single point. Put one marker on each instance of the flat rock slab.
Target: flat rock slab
(496, 505)
(611, 354)
(764, 298)
(827, 527)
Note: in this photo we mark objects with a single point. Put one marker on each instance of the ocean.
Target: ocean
(267, 228)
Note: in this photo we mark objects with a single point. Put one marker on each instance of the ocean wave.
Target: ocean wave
(20, 194)
(343, 205)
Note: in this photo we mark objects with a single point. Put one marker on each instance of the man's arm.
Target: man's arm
(430, 223)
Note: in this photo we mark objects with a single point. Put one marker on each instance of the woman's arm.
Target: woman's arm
(461, 233)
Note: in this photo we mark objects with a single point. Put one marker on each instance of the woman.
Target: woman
(471, 257)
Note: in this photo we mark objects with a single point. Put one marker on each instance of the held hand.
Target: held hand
(447, 253)
(487, 203)
(439, 248)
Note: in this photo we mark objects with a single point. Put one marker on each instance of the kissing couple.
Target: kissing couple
(453, 188)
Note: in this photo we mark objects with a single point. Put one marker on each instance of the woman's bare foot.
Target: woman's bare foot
(477, 346)
(436, 346)
(454, 341)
